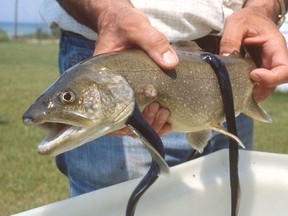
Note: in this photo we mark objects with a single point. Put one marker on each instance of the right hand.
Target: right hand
(123, 28)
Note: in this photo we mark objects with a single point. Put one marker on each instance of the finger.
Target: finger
(150, 112)
(270, 78)
(157, 46)
(160, 119)
(261, 93)
(103, 47)
(108, 43)
(121, 132)
(165, 130)
(135, 29)
(232, 36)
(154, 43)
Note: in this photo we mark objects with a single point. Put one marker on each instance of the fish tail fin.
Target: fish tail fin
(254, 111)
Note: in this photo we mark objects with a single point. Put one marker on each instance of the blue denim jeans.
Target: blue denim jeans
(110, 160)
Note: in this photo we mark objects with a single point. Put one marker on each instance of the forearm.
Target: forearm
(87, 12)
(269, 8)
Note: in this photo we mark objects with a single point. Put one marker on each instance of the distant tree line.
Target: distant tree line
(38, 34)
(3, 35)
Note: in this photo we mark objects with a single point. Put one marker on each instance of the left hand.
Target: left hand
(249, 27)
(156, 116)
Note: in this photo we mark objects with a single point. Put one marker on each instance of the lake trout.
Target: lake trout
(97, 96)
(102, 94)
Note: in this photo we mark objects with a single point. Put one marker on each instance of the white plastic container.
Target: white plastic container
(199, 187)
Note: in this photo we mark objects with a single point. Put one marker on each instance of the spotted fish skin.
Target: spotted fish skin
(106, 87)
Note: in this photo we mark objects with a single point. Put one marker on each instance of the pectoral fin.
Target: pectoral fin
(219, 128)
(164, 168)
(150, 139)
(199, 139)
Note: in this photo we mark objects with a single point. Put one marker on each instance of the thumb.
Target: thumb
(157, 46)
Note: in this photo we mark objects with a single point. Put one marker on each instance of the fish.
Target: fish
(97, 96)
(106, 93)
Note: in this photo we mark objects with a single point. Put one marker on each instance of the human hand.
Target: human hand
(156, 116)
(252, 28)
(126, 27)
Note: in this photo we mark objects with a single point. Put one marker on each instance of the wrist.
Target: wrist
(272, 9)
(111, 14)
(88, 12)
(283, 9)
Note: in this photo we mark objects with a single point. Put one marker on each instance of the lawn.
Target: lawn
(273, 137)
(28, 180)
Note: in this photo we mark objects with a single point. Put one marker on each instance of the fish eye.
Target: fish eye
(67, 97)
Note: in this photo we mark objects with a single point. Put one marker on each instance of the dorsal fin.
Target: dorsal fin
(236, 54)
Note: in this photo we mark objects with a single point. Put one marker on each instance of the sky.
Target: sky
(27, 11)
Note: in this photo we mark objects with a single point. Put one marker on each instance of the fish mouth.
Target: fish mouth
(58, 139)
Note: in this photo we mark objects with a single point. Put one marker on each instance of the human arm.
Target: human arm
(254, 26)
(120, 26)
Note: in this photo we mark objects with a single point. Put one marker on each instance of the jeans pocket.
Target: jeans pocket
(73, 49)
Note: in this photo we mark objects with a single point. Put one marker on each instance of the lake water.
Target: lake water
(23, 28)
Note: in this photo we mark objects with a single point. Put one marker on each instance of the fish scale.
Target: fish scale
(125, 78)
(190, 92)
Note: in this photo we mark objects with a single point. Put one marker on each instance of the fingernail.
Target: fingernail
(255, 77)
(225, 54)
(165, 130)
(170, 58)
(162, 116)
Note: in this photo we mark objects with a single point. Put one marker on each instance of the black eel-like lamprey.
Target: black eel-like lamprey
(145, 132)
(228, 107)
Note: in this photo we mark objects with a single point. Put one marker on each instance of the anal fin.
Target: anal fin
(219, 128)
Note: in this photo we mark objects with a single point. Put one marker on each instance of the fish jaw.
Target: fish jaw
(68, 138)
(63, 137)
(60, 138)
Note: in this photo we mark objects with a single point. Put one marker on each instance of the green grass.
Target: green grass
(273, 137)
(28, 180)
